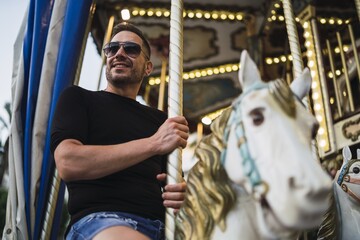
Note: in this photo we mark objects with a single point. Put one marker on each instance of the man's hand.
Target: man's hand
(174, 194)
(173, 133)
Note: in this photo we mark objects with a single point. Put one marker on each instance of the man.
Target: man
(111, 151)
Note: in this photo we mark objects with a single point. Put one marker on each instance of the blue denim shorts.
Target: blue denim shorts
(90, 225)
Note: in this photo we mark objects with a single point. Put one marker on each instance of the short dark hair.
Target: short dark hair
(124, 26)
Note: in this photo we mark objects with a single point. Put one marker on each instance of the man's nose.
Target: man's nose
(121, 52)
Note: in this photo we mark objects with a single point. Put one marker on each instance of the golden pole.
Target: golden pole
(106, 39)
(336, 87)
(200, 130)
(356, 56)
(357, 3)
(147, 94)
(174, 165)
(162, 84)
(346, 74)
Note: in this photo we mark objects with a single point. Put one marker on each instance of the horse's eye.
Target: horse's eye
(257, 116)
(356, 170)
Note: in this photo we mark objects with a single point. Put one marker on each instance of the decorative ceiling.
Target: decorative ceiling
(215, 33)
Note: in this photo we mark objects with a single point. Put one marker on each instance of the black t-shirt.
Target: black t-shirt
(103, 118)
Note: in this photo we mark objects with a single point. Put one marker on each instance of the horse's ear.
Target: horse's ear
(248, 72)
(346, 154)
(301, 85)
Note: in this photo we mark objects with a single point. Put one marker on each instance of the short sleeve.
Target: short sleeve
(70, 119)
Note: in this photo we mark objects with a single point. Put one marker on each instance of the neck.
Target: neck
(123, 91)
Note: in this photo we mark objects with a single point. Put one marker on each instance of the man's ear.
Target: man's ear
(148, 68)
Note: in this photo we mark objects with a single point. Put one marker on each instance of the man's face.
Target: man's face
(122, 69)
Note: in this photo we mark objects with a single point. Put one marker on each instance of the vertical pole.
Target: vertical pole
(295, 50)
(200, 130)
(174, 170)
(147, 94)
(357, 3)
(162, 84)
(354, 47)
(50, 211)
(336, 87)
(346, 73)
(88, 27)
(106, 39)
(293, 38)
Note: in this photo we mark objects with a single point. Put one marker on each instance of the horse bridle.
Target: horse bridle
(259, 187)
(345, 178)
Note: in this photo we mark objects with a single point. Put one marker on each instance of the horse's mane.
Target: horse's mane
(329, 229)
(209, 193)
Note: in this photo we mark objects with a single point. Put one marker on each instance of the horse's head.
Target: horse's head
(268, 137)
(348, 177)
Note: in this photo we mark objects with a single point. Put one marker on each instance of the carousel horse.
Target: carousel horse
(256, 175)
(342, 220)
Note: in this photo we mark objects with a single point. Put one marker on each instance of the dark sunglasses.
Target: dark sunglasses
(131, 49)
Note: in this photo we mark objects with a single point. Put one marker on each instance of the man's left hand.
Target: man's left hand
(174, 194)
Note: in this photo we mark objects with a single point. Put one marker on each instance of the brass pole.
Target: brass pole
(87, 30)
(147, 94)
(357, 3)
(354, 47)
(162, 84)
(50, 211)
(106, 39)
(346, 74)
(336, 87)
(200, 130)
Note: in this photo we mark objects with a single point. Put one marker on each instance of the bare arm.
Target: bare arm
(76, 161)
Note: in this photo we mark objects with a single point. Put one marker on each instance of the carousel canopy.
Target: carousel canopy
(215, 32)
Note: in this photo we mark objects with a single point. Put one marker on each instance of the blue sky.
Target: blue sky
(11, 15)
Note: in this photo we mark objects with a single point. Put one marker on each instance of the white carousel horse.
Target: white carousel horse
(256, 176)
(342, 221)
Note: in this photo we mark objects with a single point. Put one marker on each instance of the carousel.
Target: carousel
(269, 88)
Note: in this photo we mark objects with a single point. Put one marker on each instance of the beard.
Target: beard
(119, 79)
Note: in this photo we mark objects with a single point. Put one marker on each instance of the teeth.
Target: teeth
(119, 65)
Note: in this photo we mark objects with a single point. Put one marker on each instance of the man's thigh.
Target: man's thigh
(120, 233)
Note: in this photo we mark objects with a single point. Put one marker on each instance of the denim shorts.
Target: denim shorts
(90, 225)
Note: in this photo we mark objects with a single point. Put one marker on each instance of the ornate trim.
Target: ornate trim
(352, 134)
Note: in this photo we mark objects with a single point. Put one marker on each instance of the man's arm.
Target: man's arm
(76, 161)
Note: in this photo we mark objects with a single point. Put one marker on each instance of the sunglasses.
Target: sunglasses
(131, 49)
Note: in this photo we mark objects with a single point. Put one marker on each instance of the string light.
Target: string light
(217, 15)
(207, 119)
(197, 73)
(322, 137)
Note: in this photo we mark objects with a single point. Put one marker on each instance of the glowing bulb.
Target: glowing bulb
(206, 120)
(321, 131)
(322, 143)
(125, 14)
(315, 95)
(269, 61)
